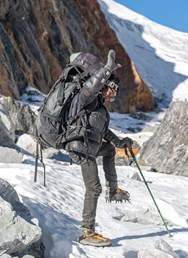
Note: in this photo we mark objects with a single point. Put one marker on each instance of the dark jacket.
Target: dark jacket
(92, 119)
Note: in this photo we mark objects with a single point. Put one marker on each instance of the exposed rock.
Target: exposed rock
(17, 229)
(164, 246)
(4, 7)
(5, 138)
(153, 253)
(150, 128)
(161, 250)
(35, 250)
(140, 215)
(21, 117)
(27, 142)
(7, 256)
(166, 151)
(7, 124)
(9, 152)
(10, 155)
(37, 38)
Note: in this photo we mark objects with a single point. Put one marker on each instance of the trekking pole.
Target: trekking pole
(41, 160)
(36, 161)
(134, 158)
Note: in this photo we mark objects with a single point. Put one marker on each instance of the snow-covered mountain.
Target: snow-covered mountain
(160, 55)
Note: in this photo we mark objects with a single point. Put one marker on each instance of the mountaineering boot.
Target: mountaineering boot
(117, 195)
(89, 237)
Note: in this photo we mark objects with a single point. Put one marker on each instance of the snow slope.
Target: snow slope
(132, 227)
(159, 53)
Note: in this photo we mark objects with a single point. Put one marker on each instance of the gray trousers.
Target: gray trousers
(92, 182)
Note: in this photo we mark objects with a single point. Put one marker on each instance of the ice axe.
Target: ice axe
(135, 160)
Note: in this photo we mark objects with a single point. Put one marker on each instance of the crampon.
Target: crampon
(118, 195)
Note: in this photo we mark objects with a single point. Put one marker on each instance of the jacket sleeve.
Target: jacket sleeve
(96, 81)
(93, 85)
(111, 137)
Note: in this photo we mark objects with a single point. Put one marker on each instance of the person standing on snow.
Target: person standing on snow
(98, 89)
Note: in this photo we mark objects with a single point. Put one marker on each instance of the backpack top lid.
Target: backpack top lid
(89, 63)
(73, 56)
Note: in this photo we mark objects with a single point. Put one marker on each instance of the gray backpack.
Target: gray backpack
(53, 128)
(52, 119)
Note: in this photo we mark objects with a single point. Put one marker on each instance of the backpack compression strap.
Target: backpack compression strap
(86, 71)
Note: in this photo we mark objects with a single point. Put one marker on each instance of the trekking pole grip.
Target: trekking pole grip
(131, 152)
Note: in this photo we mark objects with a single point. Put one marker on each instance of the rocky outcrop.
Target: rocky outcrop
(10, 155)
(17, 228)
(161, 249)
(5, 136)
(37, 38)
(9, 152)
(16, 117)
(166, 151)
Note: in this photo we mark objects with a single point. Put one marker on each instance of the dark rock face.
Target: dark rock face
(15, 119)
(5, 138)
(22, 118)
(37, 38)
(166, 151)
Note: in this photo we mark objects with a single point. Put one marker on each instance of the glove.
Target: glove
(124, 143)
(111, 65)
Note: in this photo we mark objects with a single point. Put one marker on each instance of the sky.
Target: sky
(170, 13)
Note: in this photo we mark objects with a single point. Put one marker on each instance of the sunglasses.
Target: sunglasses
(109, 94)
(112, 85)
